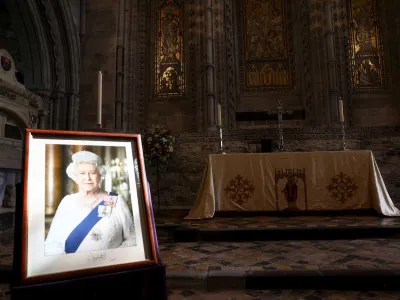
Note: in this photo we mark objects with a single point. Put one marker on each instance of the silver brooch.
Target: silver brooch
(96, 235)
(104, 211)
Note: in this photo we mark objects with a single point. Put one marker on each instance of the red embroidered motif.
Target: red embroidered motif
(239, 189)
(342, 187)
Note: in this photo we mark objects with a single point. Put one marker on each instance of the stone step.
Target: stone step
(244, 234)
(273, 294)
(253, 226)
(218, 280)
(283, 294)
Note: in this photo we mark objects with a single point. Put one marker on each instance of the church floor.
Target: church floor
(226, 265)
(283, 295)
(221, 252)
(371, 254)
(273, 295)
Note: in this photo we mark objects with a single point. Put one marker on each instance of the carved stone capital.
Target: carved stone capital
(33, 119)
(57, 49)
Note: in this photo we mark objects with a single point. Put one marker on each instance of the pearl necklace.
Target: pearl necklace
(95, 200)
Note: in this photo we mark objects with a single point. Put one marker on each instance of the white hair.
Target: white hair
(86, 157)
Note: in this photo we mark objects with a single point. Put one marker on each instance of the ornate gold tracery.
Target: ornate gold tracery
(366, 47)
(267, 61)
(169, 57)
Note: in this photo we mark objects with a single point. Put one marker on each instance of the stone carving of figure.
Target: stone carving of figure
(281, 76)
(275, 21)
(170, 37)
(173, 78)
(368, 74)
(254, 78)
(164, 85)
(169, 82)
(9, 197)
(290, 192)
(254, 28)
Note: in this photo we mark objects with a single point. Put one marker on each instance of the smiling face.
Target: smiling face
(88, 177)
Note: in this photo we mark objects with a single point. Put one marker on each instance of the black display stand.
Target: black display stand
(146, 283)
(141, 284)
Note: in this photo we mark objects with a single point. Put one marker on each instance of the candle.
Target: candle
(219, 119)
(341, 114)
(100, 97)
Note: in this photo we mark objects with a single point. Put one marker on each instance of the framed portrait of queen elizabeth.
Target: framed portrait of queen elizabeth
(86, 207)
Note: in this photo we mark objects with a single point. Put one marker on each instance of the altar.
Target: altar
(292, 181)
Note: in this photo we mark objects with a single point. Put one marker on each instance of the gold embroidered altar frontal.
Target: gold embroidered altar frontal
(331, 180)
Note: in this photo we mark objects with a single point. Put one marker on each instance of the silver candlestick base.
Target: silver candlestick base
(343, 136)
(281, 145)
(221, 143)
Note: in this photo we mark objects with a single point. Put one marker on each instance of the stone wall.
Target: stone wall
(11, 153)
(181, 178)
(99, 52)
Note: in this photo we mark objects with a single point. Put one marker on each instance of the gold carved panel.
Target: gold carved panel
(366, 47)
(267, 57)
(169, 48)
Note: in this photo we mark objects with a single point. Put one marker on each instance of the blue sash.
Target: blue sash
(77, 235)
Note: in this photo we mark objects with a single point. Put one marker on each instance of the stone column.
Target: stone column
(3, 119)
(82, 20)
(47, 109)
(73, 111)
(331, 62)
(42, 119)
(211, 103)
(58, 113)
(99, 52)
(119, 88)
(318, 64)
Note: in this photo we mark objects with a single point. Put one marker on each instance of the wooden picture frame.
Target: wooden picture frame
(48, 155)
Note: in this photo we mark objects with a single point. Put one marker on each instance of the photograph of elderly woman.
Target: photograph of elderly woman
(88, 202)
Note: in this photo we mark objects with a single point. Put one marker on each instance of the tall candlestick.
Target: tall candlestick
(341, 113)
(100, 97)
(219, 119)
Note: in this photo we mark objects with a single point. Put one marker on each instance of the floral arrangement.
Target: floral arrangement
(158, 143)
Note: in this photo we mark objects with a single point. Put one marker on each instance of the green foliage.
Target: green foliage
(158, 143)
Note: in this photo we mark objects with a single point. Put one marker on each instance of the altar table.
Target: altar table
(295, 181)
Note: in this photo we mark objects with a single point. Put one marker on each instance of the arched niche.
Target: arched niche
(19, 109)
(50, 51)
(12, 127)
(12, 117)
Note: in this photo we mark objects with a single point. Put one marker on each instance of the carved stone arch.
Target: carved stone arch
(50, 48)
(72, 57)
(51, 21)
(17, 117)
(33, 44)
(72, 45)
